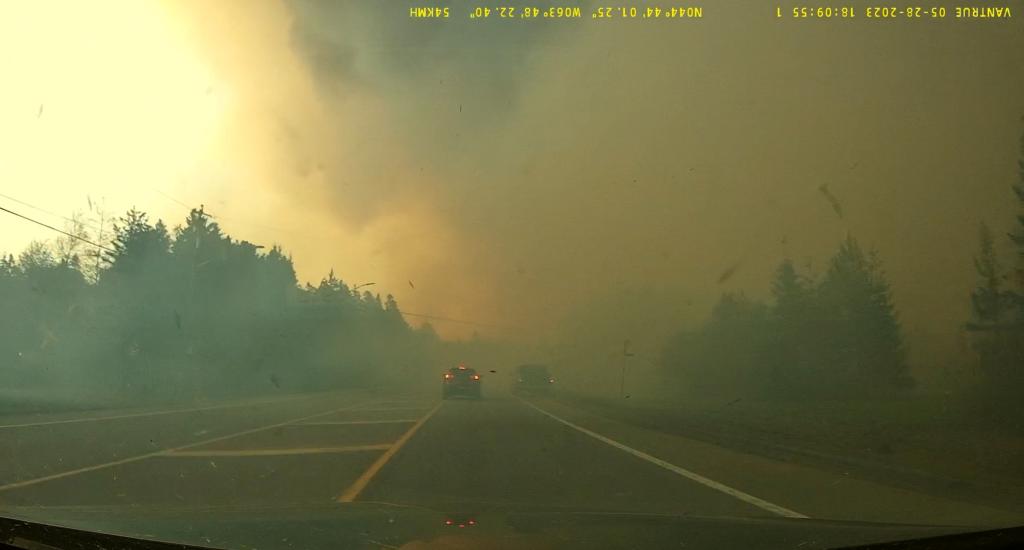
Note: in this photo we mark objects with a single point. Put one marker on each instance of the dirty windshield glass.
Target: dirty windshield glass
(548, 274)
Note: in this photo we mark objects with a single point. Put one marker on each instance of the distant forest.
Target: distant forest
(150, 311)
(839, 336)
(191, 312)
(834, 337)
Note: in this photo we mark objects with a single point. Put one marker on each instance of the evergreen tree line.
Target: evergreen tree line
(192, 312)
(839, 335)
(996, 326)
(833, 337)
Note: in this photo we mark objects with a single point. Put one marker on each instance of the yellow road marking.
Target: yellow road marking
(385, 409)
(69, 473)
(363, 480)
(282, 452)
(357, 422)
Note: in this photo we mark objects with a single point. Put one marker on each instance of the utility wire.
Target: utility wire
(37, 222)
(44, 211)
(172, 199)
(450, 320)
(87, 241)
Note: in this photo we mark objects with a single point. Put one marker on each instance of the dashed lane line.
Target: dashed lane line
(352, 492)
(281, 452)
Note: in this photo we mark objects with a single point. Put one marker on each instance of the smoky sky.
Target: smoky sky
(449, 89)
(513, 172)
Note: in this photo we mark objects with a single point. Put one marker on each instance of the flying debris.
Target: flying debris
(728, 273)
(40, 113)
(49, 338)
(411, 285)
(831, 199)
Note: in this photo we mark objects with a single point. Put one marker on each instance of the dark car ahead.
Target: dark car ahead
(533, 378)
(463, 381)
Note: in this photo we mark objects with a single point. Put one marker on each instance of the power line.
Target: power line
(87, 241)
(44, 211)
(450, 320)
(37, 222)
(172, 199)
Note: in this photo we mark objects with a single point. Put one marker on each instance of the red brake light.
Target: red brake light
(551, 380)
(472, 522)
(476, 377)
(447, 522)
(462, 367)
(447, 376)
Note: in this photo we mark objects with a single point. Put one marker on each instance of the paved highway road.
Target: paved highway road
(463, 457)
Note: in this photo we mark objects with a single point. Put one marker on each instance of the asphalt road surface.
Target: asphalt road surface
(465, 457)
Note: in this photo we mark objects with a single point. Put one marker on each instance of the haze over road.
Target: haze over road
(460, 456)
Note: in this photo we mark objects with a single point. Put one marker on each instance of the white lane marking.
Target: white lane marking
(357, 422)
(394, 409)
(363, 480)
(153, 413)
(425, 404)
(69, 473)
(736, 493)
(281, 452)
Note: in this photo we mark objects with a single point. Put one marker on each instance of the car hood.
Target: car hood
(388, 525)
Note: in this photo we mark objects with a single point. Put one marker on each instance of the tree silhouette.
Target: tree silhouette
(988, 300)
(839, 337)
(196, 313)
(137, 246)
(859, 324)
(997, 320)
(792, 359)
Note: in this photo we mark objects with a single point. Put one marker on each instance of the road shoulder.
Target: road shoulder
(822, 493)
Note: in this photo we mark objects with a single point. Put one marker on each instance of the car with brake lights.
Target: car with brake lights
(461, 381)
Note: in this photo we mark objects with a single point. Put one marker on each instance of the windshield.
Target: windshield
(720, 259)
